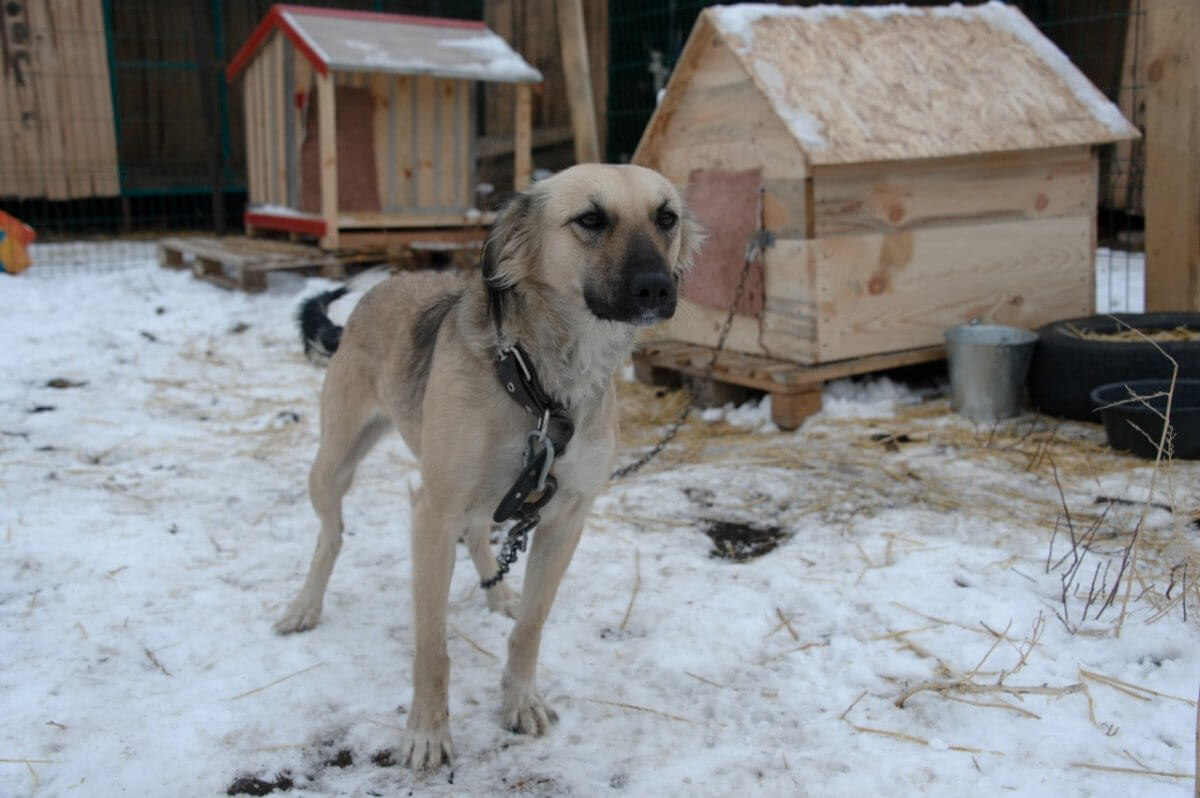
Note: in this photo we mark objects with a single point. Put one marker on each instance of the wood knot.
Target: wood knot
(878, 284)
(1017, 301)
(895, 213)
(1041, 202)
(1155, 72)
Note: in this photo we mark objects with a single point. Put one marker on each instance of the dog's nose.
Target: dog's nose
(653, 293)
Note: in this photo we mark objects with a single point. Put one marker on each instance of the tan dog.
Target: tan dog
(570, 269)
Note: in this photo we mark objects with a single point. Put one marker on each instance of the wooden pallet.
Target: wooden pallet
(795, 390)
(242, 263)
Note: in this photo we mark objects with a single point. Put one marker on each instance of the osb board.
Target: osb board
(726, 204)
(713, 117)
(860, 85)
(901, 195)
(885, 292)
(57, 135)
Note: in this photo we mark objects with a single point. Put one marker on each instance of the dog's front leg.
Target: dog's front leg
(427, 743)
(525, 711)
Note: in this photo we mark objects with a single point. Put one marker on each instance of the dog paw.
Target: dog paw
(503, 599)
(300, 617)
(427, 748)
(526, 712)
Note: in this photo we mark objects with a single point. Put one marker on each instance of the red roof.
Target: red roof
(290, 18)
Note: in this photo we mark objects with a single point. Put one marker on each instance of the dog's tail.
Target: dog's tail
(318, 332)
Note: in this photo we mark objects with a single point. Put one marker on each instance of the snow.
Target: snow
(154, 523)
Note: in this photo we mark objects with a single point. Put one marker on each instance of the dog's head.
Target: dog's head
(615, 241)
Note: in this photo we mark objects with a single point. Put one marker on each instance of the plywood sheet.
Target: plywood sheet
(882, 292)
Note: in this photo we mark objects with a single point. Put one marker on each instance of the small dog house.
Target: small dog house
(360, 123)
(915, 168)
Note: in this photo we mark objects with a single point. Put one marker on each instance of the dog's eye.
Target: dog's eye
(591, 221)
(667, 219)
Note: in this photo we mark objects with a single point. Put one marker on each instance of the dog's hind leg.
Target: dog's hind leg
(500, 597)
(350, 426)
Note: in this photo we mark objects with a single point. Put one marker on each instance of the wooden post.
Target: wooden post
(577, 72)
(327, 144)
(1173, 155)
(522, 138)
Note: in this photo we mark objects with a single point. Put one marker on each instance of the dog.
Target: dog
(572, 267)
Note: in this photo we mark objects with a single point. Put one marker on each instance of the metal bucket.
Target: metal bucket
(988, 366)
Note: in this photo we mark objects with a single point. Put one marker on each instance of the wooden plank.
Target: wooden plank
(1173, 155)
(250, 121)
(699, 41)
(577, 71)
(327, 140)
(403, 190)
(358, 220)
(43, 74)
(786, 207)
(451, 130)
(767, 374)
(105, 174)
(522, 154)
(279, 120)
(883, 292)
(426, 125)
(465, 190)
(383, 137)
(906, 195)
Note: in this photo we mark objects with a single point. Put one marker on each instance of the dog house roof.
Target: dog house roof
(856, 85)
(363, 41)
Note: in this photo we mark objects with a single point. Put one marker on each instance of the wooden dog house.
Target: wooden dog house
(916, 167)
(360, 123)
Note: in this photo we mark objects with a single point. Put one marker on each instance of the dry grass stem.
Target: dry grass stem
(699, 678)
(471, 642)
(154, 661)
(1132, 689)
(993, 705)
(783, 619)
(637, 585)
(280, 680)
(1132, 771)
(635, 707)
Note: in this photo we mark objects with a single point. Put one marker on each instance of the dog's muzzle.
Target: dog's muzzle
(652, 296)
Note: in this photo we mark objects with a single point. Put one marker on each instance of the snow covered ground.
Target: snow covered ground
(154, 522)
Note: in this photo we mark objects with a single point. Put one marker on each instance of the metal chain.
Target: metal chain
(753, 247)
(514, 544)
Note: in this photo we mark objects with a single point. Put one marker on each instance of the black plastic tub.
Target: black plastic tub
(1134, 427)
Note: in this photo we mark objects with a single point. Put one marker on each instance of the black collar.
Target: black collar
(520, 381)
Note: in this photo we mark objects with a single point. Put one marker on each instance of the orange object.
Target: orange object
(15, 238)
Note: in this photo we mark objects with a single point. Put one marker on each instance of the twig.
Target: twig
(994, 705)
(637, 584)
(963, 686)
(853, 704)
(277, 681)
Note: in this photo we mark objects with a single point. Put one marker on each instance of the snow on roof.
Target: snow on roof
(369, 42)
(894, 82)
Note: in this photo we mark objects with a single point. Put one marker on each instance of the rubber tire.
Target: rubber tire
(1066, 368)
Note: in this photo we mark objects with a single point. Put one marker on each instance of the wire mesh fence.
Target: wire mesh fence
(148, 137)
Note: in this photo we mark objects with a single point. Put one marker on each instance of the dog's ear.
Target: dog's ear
(508, 252)
(691, 237)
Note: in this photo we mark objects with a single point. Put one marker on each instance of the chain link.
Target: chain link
(753, 247)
